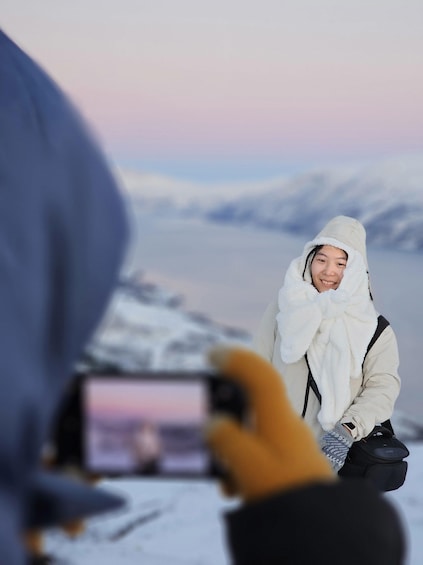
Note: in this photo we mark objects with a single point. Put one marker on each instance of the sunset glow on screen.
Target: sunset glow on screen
(164, 400)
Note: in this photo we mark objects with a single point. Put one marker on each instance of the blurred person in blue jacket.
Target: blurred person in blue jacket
(63, 235)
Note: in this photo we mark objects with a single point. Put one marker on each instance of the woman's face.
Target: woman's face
(327, 268)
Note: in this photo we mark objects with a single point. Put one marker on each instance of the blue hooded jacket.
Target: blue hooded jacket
(62, 240)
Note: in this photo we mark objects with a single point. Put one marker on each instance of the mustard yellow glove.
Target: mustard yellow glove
(34, 539)
(279, 452)
(34, 542)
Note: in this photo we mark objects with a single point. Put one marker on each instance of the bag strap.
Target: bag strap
(387, 424)
(381, 430)
(311, 383)
(382, 324)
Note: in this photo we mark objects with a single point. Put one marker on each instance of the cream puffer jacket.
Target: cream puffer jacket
(372, 397)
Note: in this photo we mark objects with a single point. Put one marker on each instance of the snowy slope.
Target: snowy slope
(146, 327)
(180, 523)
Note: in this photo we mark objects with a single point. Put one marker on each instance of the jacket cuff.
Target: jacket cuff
(352, 428)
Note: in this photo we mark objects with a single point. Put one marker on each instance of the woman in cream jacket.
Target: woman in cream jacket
(324, 315)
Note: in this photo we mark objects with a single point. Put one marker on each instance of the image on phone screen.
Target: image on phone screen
(145, 427)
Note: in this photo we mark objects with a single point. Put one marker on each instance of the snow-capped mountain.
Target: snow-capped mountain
(387, 197)
(146, 327)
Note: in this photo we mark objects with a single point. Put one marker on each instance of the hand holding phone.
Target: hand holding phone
(280, 452)
(144, 424)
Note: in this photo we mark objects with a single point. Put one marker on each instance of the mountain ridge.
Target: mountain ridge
(387, 197)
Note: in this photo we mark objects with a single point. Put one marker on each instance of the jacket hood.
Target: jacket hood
(63, 234)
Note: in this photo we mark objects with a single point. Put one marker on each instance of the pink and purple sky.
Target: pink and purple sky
(235, 89)
(161, 401)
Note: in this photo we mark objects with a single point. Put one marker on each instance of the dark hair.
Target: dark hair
(368, 285)
(309, 259)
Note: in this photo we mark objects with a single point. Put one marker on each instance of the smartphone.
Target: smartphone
(146, 424)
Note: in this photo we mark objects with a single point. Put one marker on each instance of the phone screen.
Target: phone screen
(145, 427)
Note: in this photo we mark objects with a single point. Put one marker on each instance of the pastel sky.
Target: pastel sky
(235, 89)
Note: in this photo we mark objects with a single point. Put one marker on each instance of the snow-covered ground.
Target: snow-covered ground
(180, 522)
(409, 501)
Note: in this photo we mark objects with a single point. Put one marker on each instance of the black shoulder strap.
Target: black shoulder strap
(382, 324)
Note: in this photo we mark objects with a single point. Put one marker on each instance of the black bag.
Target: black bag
(378, 457)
